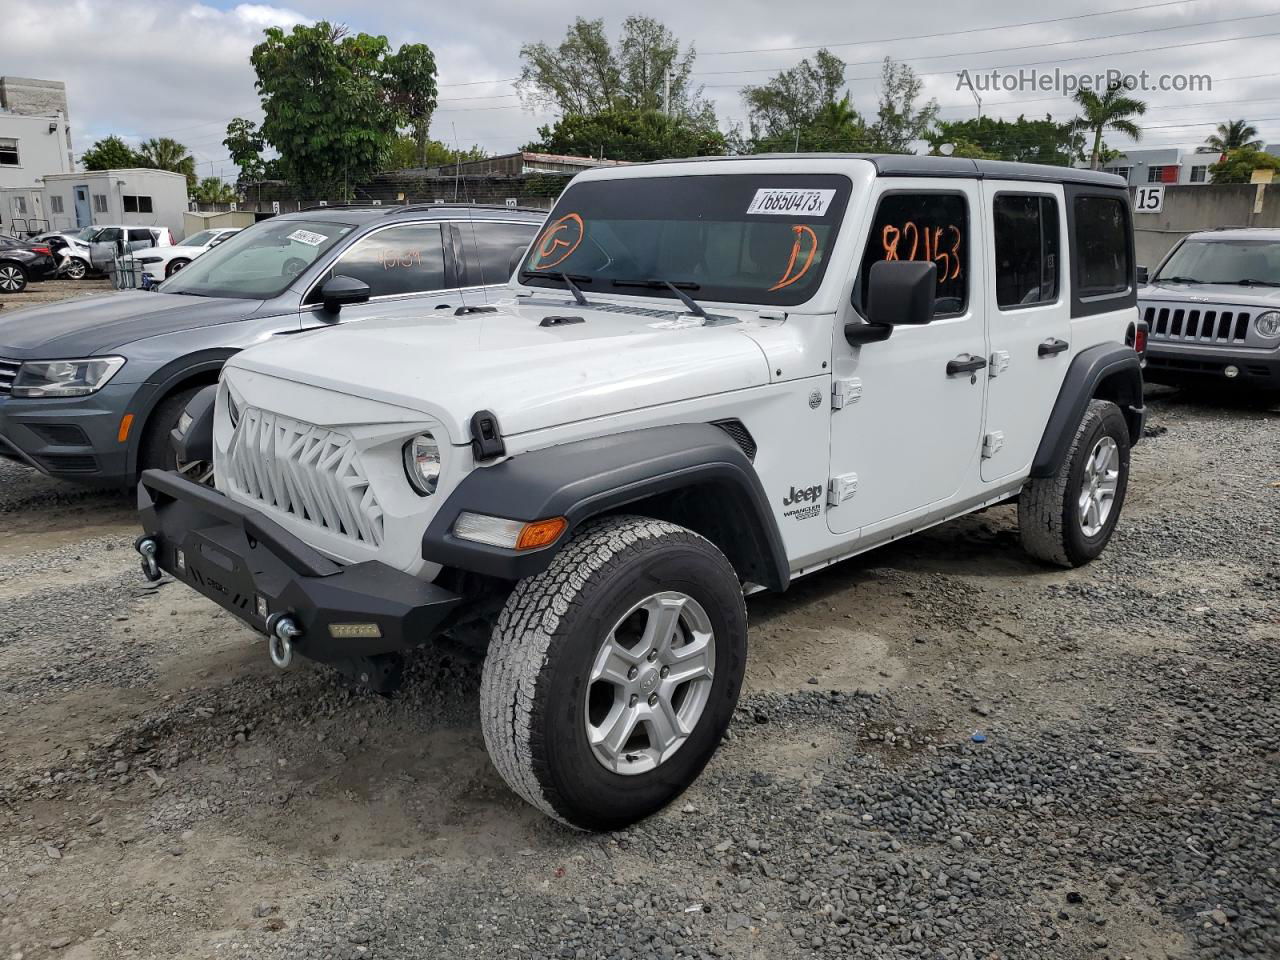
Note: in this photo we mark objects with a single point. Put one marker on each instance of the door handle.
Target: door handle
(444, 306)
(1052, 347)
(965, 363)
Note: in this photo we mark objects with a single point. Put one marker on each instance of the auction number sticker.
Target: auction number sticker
(791, 201)
(307, 237)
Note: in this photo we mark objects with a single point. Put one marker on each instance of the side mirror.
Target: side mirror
(1144, 275)
(899, 293)
(338, 292)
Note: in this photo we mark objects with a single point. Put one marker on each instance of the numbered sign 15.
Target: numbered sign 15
(1149, 199)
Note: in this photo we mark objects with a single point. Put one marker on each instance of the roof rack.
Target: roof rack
(395, 208)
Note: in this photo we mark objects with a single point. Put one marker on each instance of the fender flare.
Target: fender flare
(672, 467)
(1110, 371)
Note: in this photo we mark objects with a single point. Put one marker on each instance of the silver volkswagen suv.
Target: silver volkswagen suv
(1213, 310)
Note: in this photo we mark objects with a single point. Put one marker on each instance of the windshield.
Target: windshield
(258, 263)
(1224, 261)
(86, 233)
(199, 239)
(735, 237)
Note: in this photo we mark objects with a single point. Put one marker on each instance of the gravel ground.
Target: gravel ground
(943, 750)
(49, 291)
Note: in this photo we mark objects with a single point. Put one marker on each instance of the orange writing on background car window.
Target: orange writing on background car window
(789, 277)
(559, 240)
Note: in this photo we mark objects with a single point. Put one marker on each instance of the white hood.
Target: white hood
(530, 376)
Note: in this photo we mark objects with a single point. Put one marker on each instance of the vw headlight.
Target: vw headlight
(1268, 324)
(422, 463)
(65, 378)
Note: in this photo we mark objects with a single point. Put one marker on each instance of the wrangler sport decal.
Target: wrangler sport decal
(805, 502)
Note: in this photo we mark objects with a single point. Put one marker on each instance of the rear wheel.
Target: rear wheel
(612, 676)
(76, 269)
(13, 278)
(1067, 519)
(174, 266)
(157, 452)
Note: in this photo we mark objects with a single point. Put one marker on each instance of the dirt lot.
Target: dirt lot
(51, 290)
(164, 791)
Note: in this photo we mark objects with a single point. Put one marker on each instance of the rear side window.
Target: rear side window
(397, 261)
(489, 249)
(924, 226)
(1026, 240)
(1101, 246)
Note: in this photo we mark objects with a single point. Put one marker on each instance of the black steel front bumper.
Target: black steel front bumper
(259, 571)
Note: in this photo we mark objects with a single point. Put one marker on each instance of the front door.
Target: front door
(908, 437)
(84, 217)
(1030, 323)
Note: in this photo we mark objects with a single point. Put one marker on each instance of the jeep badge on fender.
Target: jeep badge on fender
(643, 382)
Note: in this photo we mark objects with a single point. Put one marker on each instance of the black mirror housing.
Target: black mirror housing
(338, 292)
(1143, 275)
(902, 292)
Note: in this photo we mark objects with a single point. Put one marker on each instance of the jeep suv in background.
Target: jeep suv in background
(711, 378)
(1213, 309)
(90, 388)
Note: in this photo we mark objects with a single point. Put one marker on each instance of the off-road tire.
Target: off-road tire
(173, 266)
(156, 451)
(1048, 512)
(535, 680)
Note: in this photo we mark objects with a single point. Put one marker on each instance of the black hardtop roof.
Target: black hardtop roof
(911, 165)
(362, 213)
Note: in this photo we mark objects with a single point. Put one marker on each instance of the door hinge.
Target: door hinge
(841, 488)
(992, 443)
(845, 392)
(999, 363)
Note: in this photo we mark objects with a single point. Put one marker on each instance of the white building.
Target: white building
(31, 148)
(69, 201)
(1162, 165)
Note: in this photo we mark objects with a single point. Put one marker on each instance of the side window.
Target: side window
(55, 204)
(1101, 246)
(924, 226)
(130, 203)
(396, 261)
(142, 236)
(490, 247)
(1026, 238)
(99, 203)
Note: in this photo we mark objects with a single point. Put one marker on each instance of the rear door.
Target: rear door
(1030, 319)
(490, 252)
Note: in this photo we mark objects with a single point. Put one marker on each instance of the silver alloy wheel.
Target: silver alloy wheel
(1098, 486)
(76, 268)
(650, 683)
(11, 279)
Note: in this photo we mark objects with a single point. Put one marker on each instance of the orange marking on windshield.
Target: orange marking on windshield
(788, 278)
(552, 241)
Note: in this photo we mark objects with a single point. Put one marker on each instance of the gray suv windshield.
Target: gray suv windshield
(1247, 262)
(260, 262)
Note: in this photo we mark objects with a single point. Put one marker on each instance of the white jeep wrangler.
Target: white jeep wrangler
(712, 377)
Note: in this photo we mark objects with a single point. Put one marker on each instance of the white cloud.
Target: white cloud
(261, 15)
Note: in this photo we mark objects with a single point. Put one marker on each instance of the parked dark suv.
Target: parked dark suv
(91, 388)
(22, 261)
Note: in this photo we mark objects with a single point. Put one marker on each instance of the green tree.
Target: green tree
(412, 70)
(244, 143)
(406, 153)
(328, 103)
(899, 121)
(110, 153)
(213, 190)
(1239, 164)
(587, 74)
(960, 148)
(802, 109)
(1114, 110)
(162, 153)
(1233, 135)
(1022, 140)
(629, 134)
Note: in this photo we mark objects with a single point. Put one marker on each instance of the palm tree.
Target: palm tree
(165, 154)
(1232, 135)
(1111, 111)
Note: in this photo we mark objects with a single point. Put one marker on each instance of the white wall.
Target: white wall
(167, 192)
(40, 152)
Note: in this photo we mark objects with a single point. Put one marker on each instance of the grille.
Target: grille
(8, 372)
(1202, 326)
(305, 470)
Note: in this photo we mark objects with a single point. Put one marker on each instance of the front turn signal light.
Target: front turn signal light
(541, 533)
(509, 534)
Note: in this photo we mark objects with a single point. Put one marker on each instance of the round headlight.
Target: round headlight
(422, 463)
(1268, 324)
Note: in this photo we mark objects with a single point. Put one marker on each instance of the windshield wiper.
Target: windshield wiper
(1251, 282)
(1177, 280)
(677, 288)
(570, 280)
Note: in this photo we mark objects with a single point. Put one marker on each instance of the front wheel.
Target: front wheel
(157, 451)
(13, 278)
(1067, 519)
(612, 676)
(76, 269)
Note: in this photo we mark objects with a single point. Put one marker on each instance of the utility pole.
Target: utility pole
(666, 93)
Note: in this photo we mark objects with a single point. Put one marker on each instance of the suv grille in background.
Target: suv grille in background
(305, 470)
(1207, 326)
(8, 373)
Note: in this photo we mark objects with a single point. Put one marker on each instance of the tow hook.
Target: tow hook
(148, 549)
(282, 630)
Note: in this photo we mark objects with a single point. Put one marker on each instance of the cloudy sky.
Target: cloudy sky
(142, 68)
